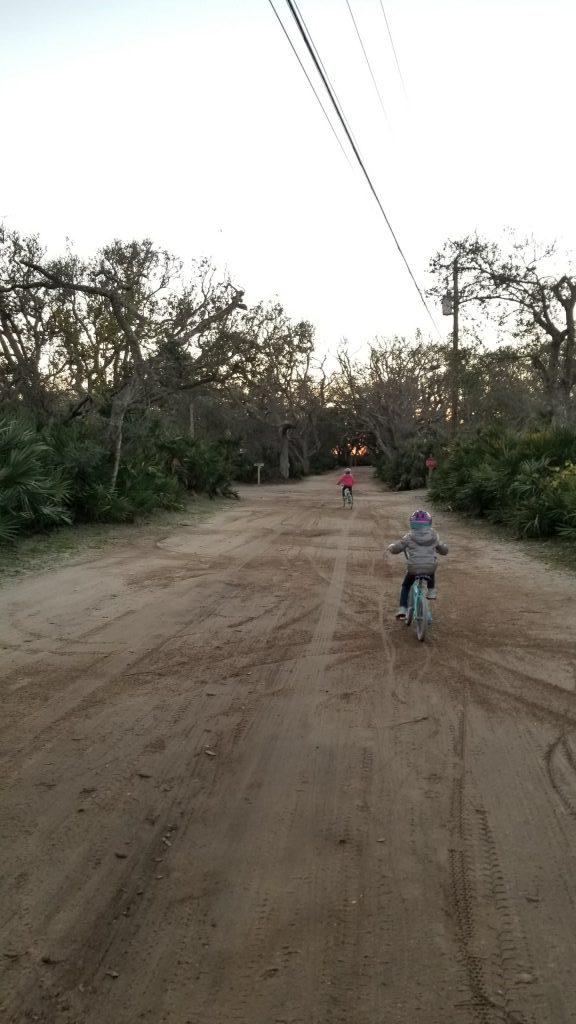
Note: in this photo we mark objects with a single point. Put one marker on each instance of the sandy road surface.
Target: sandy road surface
(236, 791)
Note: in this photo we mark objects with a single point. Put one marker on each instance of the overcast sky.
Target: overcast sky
(190, 121)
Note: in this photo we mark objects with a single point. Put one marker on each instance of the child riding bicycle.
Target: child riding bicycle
(420, 547)
(346, 482)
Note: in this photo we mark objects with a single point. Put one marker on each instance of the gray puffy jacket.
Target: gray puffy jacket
(420, 547)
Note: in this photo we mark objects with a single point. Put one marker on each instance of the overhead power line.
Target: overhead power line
(384, 111)
(304, 32)
(318, 61)
(310, 82)
(394, 49)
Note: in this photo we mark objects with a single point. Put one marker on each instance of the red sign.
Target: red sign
(431, 463)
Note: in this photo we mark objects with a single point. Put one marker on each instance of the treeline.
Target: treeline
(128, 381)
(125, 382)
(524, 479)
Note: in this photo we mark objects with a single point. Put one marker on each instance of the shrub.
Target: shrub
(81, 451)
(525, 481)
(62, 473)
(200, 465)
(323, 462)
(32, 490)
(405, 470)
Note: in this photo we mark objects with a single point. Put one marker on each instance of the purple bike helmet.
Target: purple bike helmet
(420, 518)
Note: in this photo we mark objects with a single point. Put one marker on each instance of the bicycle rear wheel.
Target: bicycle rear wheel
(421, 616)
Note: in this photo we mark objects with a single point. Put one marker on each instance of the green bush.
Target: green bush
(33, 491)
(526, 481)
(405, 470)
(199, 465)
(61, 474)
(82, 453)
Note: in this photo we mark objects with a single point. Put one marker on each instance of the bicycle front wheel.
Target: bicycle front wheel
(421, 616)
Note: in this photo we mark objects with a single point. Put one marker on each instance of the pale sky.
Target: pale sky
(190, 121)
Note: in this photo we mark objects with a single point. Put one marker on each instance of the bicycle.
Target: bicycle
(418, 607)
(348, 500)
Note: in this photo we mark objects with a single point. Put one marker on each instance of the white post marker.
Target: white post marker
(258, 466)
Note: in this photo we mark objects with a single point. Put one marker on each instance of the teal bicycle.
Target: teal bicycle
(418, 607)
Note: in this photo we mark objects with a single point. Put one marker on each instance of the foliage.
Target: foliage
(396, 393)
(53, 475)
(526, 481)
(323, 462)
(80, 452)
(32, 490)
(199, 465)
(128, 382)
(529, 293)
(405, 469)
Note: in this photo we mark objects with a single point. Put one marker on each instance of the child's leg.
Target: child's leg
(405, 590)
(432, 585)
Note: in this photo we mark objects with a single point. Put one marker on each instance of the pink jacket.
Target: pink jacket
(346, 480)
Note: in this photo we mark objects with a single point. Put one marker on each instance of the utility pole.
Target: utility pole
(455, 375)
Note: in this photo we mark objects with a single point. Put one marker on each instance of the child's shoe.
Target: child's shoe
(431, 595)
(401, 613)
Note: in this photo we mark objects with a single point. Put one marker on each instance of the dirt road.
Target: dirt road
(236, 791)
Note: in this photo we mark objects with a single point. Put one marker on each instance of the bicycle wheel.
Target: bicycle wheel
(421, 616)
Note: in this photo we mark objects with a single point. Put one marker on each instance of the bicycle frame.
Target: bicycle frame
(418, 607)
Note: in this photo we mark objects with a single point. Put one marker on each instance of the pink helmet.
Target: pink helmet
(420, 518)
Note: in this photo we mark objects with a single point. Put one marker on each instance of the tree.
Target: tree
(30, 366)
(128, 318)
(498, 386)
(522, 290)
(398, 391)
(282, 389)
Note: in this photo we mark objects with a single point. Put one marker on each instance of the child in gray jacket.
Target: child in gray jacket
(420, 546)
